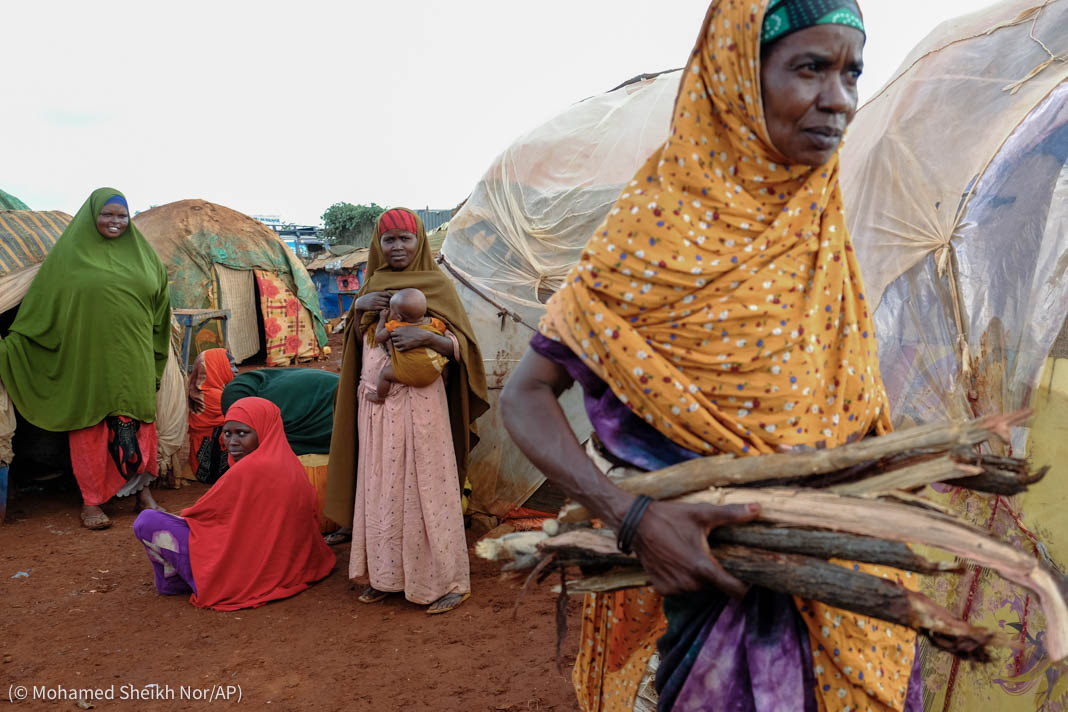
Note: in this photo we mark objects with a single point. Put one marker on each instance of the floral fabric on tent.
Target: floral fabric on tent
(287, 327)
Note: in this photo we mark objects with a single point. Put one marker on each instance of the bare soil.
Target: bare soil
(78, 609)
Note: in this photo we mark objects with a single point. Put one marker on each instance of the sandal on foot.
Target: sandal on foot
(338, 537)
(96, 521)
(446, 603)
(372, 595)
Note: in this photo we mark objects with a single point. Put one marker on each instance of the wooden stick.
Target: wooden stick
(831, 545)
(907, 478)
(816, 579)
(813, 578)
(904, 523)
(999, 481)
(694, 475)
(915, 501)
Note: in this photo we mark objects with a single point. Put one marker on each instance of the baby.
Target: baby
(419, 367)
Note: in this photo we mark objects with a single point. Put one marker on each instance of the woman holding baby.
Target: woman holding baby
(398, 460)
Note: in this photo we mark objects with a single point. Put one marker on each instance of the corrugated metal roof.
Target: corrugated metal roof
(433, 219)
(339, 263)
(351, 260)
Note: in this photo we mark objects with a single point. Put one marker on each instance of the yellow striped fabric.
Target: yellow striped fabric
(26, 236)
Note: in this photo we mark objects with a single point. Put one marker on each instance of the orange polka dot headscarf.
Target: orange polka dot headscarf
(721, 299)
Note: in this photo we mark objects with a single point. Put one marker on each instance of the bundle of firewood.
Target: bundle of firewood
(858, 502)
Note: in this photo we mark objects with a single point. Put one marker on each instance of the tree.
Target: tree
(351, 224)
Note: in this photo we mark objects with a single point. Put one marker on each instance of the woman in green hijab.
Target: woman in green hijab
(87, 350)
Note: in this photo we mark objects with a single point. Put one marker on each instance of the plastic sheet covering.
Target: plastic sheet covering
(957, 200)
(922, 141)
(522, 229)
(172, 414)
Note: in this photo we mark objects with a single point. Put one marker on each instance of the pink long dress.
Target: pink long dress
(407, 529)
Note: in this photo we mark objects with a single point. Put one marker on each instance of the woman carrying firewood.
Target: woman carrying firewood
(719, 309)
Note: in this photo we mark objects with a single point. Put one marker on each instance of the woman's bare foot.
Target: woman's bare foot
(145, 500)
(93, 517)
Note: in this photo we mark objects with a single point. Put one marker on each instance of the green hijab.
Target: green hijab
(92, 334)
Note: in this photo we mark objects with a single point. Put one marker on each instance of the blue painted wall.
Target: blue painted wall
(326, 287)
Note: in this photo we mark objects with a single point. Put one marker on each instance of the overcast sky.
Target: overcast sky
(286, 108)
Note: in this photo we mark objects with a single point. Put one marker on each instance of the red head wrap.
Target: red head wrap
(397, 219)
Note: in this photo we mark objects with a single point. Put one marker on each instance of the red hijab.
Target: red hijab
(254, 537)
(212, 371)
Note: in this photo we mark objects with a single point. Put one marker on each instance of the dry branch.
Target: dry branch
(899, 522)
(702, 473)
(853, 503)
(830, 545)
(807, 577)
(999, 481)
(906, 478)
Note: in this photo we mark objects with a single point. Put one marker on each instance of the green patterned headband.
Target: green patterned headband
(786, 16)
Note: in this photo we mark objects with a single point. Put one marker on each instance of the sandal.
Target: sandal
(446, 603)
(96, 521)
(372, 595)
(339, 536)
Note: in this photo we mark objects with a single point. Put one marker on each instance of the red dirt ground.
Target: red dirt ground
(88, 616)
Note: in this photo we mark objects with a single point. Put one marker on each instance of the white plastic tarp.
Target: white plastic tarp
(523, 227)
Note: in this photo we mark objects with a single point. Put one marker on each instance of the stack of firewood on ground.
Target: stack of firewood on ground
(857, 502)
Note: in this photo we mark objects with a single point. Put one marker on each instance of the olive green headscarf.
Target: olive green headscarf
(92, 335)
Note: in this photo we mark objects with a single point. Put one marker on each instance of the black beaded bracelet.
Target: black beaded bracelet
(629, 527)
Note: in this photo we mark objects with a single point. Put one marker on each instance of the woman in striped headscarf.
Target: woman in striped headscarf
(397, 466)
(719, 309)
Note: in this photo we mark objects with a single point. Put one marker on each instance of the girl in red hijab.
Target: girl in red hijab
(254, 536)
(211, 371)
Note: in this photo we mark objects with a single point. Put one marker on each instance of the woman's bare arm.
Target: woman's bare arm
(672, 538)
(407, 338)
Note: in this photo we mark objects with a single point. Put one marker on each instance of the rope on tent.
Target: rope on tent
(1017, 85)
(502, 311)
(947, 267)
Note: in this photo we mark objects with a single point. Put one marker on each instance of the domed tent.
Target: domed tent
(956, 192)
(26, 237)
(511, 244)
(218, 258)
(10, 202)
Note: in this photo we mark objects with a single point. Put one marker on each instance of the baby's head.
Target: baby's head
(407, 305)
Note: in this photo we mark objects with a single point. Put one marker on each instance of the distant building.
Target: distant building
(433, 219)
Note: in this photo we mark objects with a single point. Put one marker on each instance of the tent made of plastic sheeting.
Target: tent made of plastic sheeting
(26, 237)
(523, 227)
(218, 258)
(955, 178)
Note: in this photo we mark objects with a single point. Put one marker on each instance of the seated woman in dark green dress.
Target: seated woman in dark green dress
(304, 395)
